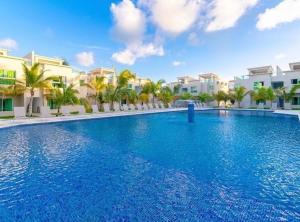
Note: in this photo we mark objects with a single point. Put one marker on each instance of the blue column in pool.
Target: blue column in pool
(191, 112)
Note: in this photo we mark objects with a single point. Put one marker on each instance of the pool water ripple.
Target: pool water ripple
(227, 166)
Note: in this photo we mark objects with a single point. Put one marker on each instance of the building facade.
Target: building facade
(268, 77)
(205, 83)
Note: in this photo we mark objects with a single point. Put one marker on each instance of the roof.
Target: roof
(295, 66)
(263, 70)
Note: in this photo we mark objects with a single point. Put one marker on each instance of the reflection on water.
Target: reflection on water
(227, 166)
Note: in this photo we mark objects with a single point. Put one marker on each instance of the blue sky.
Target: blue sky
(156, 38)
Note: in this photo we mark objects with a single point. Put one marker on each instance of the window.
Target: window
(7, 77)
(81, 82)
(258, 85)
(194, 89)
(277, 85)
(129, 86)
(184, 89)
(295, 81)
(6, 105)
(296, 101)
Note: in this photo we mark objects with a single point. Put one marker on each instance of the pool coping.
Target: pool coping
(39, 120)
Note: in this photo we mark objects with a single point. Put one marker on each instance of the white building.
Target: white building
(268, 77)
(205, 83)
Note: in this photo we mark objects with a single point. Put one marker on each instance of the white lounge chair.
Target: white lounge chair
(132, 107)
(145, 107)
(150, 106)
(106, 107)
(95, 109)
(157, 106)
(125, 107)
(139, 107)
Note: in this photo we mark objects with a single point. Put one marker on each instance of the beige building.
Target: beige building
(205, 83)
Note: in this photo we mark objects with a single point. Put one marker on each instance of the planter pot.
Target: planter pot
(261, 106)
(45, 111)
(287, 106)
(95, 109)
(274, 106)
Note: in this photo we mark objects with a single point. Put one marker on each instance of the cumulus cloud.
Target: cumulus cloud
(173, 17)
(178, 63)
(8, 43)
(193, 39)
(284, 12)
(133, 52)
(280, 56)
(224, 14)
(130, 22)
(85, 58)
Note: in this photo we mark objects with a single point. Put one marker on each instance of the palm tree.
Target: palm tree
(204, 97)
(98, 86)
(239, 93)
(133, 97)
(11, 91)
(271, 96)
(260, 95)
(220, 96)
(65, 96)
(153, 89)
(166, 96)
(287, 95)
(113, 93)
(34, 79)
(144, 98)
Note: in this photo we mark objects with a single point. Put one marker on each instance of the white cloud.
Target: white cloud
(280, 56)
(193, 39)
(178, 63)
(174, 17)
(8, 43)
(226, 13)
(133, 52)
(130, 22)
(85, 58)
(284, 12)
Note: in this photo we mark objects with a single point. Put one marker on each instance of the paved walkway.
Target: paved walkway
(37, 120)
(5, 123)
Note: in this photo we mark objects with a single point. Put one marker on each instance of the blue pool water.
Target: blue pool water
(227, 166)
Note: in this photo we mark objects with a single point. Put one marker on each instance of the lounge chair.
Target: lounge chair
(139, 107)
(125, 107)
(157, 106)
(95, 109)
(106, 107)
(117, 107)
(132, 107)
(150, 106)
(145, 107)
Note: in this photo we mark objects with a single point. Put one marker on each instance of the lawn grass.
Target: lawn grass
(7, 117)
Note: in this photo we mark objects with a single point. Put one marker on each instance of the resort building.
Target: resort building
(205, 83)
(137, 83)
(266, 76)
(11, 69)
(109, 74)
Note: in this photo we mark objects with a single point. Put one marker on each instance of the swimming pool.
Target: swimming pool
(226, 166)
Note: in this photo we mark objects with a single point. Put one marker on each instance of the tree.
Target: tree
(34, 79)
(166, 96)
(144, 98)
(153, 89)
(186, 96)
(11, 91)
(122, 82)
(271, 96)
(204, 97)
(133, 97)
(65, 96)
(239, 93)
(287, 95)
(260, 95)
(220, 96)
(98, 86)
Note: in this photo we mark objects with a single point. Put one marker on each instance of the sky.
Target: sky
(157, 39)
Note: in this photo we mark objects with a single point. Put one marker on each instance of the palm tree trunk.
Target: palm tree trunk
(30, 103)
